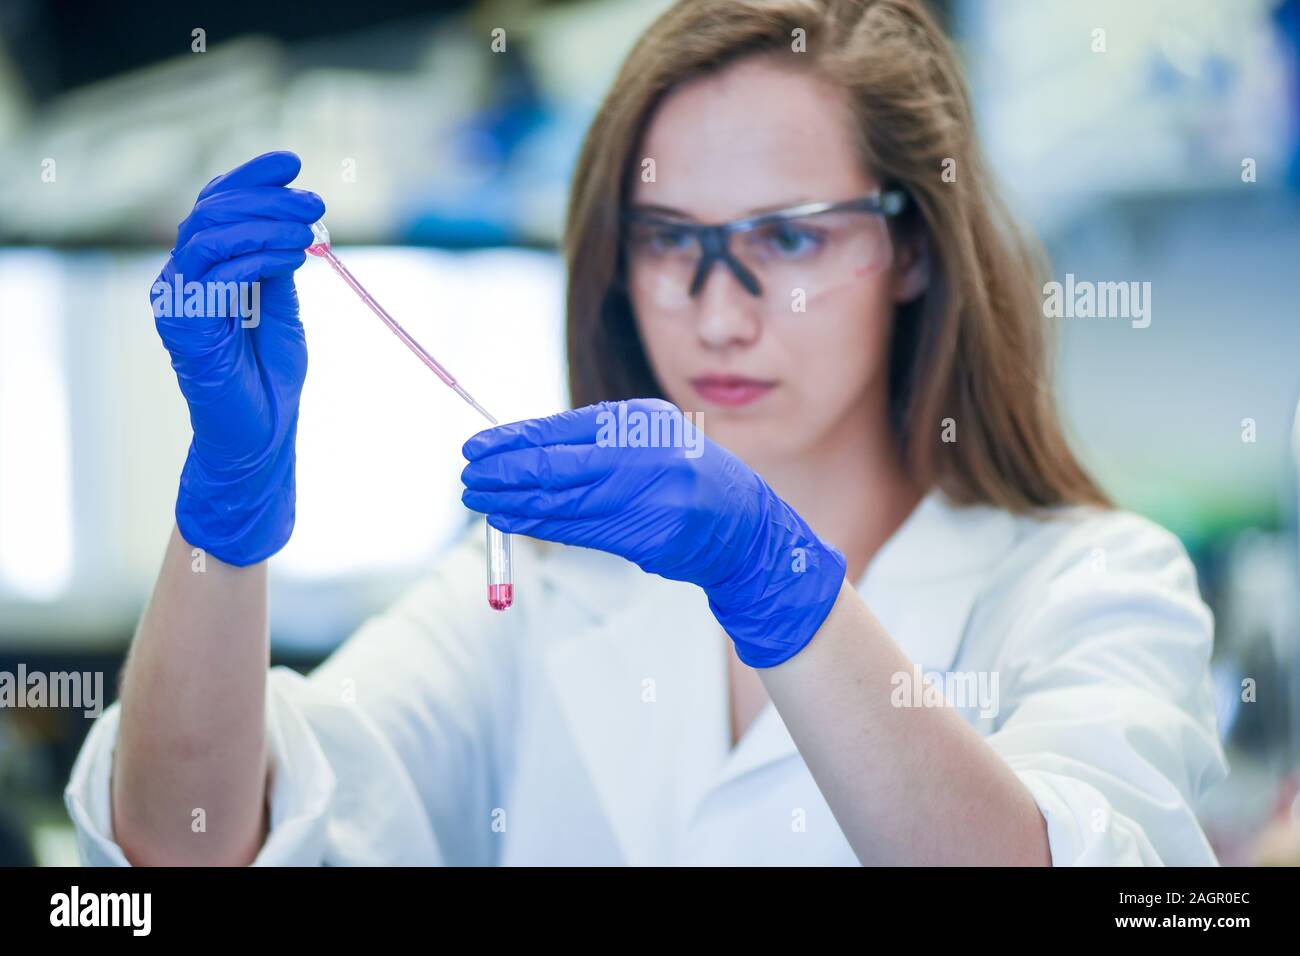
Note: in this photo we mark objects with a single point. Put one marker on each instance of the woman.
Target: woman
(780, 221)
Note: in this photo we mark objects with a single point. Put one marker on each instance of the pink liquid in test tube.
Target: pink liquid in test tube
(500, 576)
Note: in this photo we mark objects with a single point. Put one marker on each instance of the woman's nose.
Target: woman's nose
(727, 315)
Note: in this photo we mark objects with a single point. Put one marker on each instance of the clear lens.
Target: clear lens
(797, 262)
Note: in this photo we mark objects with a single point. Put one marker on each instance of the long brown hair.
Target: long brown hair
(974, 347)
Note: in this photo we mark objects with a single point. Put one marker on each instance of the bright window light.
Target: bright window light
(379, 436)
(35, 455)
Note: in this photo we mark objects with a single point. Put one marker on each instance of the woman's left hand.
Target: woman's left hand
(683, 507)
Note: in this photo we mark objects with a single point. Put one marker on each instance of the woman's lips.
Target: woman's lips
(730, 390)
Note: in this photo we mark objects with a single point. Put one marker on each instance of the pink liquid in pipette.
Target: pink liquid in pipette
(322, 249)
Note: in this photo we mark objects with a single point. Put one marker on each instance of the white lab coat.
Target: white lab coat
(589, 725)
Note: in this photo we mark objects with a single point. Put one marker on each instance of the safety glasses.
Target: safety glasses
(786, 259)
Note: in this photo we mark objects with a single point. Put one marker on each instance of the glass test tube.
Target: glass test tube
(500, 579)
(500, 576)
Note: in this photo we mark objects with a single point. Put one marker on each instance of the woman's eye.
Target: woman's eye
(669, 240)
(789, 239)
(654, 239)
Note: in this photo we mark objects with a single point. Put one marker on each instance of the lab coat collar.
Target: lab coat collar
(643, 687)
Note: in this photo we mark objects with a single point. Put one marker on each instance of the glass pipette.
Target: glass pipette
(500, 579)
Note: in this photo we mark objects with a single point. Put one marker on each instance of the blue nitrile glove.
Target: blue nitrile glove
(241, 374)
(692, 513)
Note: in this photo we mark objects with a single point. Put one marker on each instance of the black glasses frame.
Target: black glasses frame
(714, 239)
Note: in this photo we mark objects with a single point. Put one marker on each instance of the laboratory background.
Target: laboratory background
(1146, 141)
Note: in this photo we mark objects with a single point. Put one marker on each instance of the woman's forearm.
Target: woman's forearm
(190, 768)
(907, 785)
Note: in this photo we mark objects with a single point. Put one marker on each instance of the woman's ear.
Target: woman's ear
(911, 269)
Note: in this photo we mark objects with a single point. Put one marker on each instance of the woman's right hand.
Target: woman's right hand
(239, 353)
